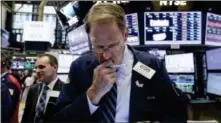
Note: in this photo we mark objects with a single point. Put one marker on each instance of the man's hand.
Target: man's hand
(103, 79)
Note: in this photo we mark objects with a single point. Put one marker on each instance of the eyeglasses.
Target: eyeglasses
(111, 48)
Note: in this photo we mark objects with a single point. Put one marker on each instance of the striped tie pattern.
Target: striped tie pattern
(40, 109)
(108, 106)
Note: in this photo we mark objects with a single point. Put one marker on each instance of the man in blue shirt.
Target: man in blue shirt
(116, 83)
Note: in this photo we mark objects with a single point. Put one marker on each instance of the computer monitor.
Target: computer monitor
(172, 27)
(213, 29)
(78, 40)
(213, 59)
(133, 34)
(67, 14)
(214, 83)
(183, 82)
(64, 62)
(160, 54)
(17, 65)
(180, 63)
(4, 38)
(29, 65)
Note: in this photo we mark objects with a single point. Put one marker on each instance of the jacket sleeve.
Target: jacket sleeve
(72, 105)
(175, 102)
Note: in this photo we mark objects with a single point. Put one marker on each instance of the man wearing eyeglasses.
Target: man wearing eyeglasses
(116, 83)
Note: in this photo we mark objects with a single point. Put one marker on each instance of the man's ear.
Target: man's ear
(55, 67)
(126, 33)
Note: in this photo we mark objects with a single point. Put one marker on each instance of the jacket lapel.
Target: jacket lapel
(58, 85)
(137, 94)
(36, 94)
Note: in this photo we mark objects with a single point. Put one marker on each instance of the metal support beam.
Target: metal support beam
(9, 9)
(41, 10)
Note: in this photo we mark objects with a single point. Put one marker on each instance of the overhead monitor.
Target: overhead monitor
(213, 59)
(78, 40)
(4, 38)
(213, 29)
(64, 62)
(172, 27)
(183, 82)
(160, 54)
(29, 65)
(17, 65)
(67, 14)
(214, 83)
(133, 34)
(180, 63)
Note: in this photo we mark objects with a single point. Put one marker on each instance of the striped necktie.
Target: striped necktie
(108, 106)
(40, 109)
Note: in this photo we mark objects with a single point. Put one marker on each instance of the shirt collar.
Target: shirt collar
(51, 84)
(3, 74)
(127, 60)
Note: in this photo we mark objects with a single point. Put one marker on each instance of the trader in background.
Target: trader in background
(6, 104)
(116, 83)
(42, 97)
(14, 87)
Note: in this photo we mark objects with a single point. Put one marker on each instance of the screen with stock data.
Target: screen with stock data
(133, 34)
(213, 29)
(214, 83)
(78, 40)
(172, 27)
(213, 59)
(183, 82)
(180, 63)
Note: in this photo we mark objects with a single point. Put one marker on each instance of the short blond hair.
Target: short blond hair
(105, 13)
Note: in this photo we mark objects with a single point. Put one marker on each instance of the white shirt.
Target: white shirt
(50, 86)
(29, 81)
(124, 75)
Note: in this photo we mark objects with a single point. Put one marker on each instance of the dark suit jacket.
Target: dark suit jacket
(157, 100)
(31, 102)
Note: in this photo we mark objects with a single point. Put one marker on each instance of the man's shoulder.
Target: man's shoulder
(35, 86)
(13, 81)
(148, 58)
(84, 60)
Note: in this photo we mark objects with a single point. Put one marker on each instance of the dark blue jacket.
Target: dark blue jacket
(14, 88)
(158, 100)
(6, 103)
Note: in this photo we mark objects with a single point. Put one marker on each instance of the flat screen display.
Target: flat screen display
(67, 14)
(17, 65)
(29, 65)
(64, 62)
(180, 63)
(214, 83)
(78, 40)
(213, 59)
(133, 34)
(213, 29)
(160, 54)
(172, 27)
(183, 82)
(4, 38)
